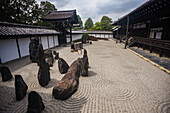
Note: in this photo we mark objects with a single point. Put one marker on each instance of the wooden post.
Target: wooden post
(53, 41)
(127, 28)
(48, 42)
(150, 49)
(161, 53)
(70, 34)
(19, 53)
(138, 45)
(143, 46)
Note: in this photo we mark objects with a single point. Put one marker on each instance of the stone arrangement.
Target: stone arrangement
(69, 83)
(56, 55)
(85, 64)
(49, 57)
(33, 46)
(35, 103)
(43, 73)
(62, 66)
(20, 87)
(6, 73)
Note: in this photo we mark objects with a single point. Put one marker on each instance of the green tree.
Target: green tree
(43, 10)
(106, 23)
(80, 21)
(88, 23)
(19, 11)
(96, 27)
(45, 7)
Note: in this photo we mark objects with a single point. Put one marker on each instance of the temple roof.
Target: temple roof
(62, 16)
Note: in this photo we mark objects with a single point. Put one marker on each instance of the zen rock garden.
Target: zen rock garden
(45, 59)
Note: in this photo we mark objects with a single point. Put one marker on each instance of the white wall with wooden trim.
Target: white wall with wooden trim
(24, 46)
(8, 50)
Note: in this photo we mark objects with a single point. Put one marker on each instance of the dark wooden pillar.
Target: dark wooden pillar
(53, 41)
(48, 42)
(19, 52)
(70, 34)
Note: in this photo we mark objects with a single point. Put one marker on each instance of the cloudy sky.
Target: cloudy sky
(95, 9)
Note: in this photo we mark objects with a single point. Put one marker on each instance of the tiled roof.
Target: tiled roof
(62, 15)
(10, 29)
(59, 15)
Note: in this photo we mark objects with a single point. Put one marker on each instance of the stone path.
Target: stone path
(118, 82)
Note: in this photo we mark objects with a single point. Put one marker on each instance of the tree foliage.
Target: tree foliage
(88, 23)
(24, 11)
(80, 21)
(106, 23)
(45, 7)
(103, 25)
(19, 11)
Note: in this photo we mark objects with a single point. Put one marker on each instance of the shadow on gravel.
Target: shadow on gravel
(91, 74)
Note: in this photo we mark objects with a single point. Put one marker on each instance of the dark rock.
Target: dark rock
(40, 55)
(49, 61)
(62, 66)
(6, 73)
(49, 57)
(48, 53)
(33, 46)
(85, 64)
(72, 45)
(78, 46)
(84, 39)
(20, 87)
(44, 74)
(35, 103)
(56, 55)
(68, 85)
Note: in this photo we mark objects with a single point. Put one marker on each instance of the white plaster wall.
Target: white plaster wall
(106, 35)
(76, 36)
(24, 46)
(56, 40)
(102, 35)
(44, 42)
(51, 43)
(94, 35)
(111, 35)
(68, 40)
(98, 35)
(8, 50)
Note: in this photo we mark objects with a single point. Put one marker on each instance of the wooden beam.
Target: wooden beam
(48, 42)
(70, 34)
(19, 53)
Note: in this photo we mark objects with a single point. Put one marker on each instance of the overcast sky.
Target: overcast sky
(95, 9)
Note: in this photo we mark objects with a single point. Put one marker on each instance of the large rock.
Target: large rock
(40, 55)
(49, 57)
(56, 55)
(6, 73)
(33, 46)
(78, 46)
(35, 103)
(85, 64)
(20, 87)
(44, 74)
(68, 85)
(62, 66)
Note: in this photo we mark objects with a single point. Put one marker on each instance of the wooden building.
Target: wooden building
(63, 20)
(149, 25)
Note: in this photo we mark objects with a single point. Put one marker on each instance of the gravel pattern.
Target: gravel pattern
(118, 82)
